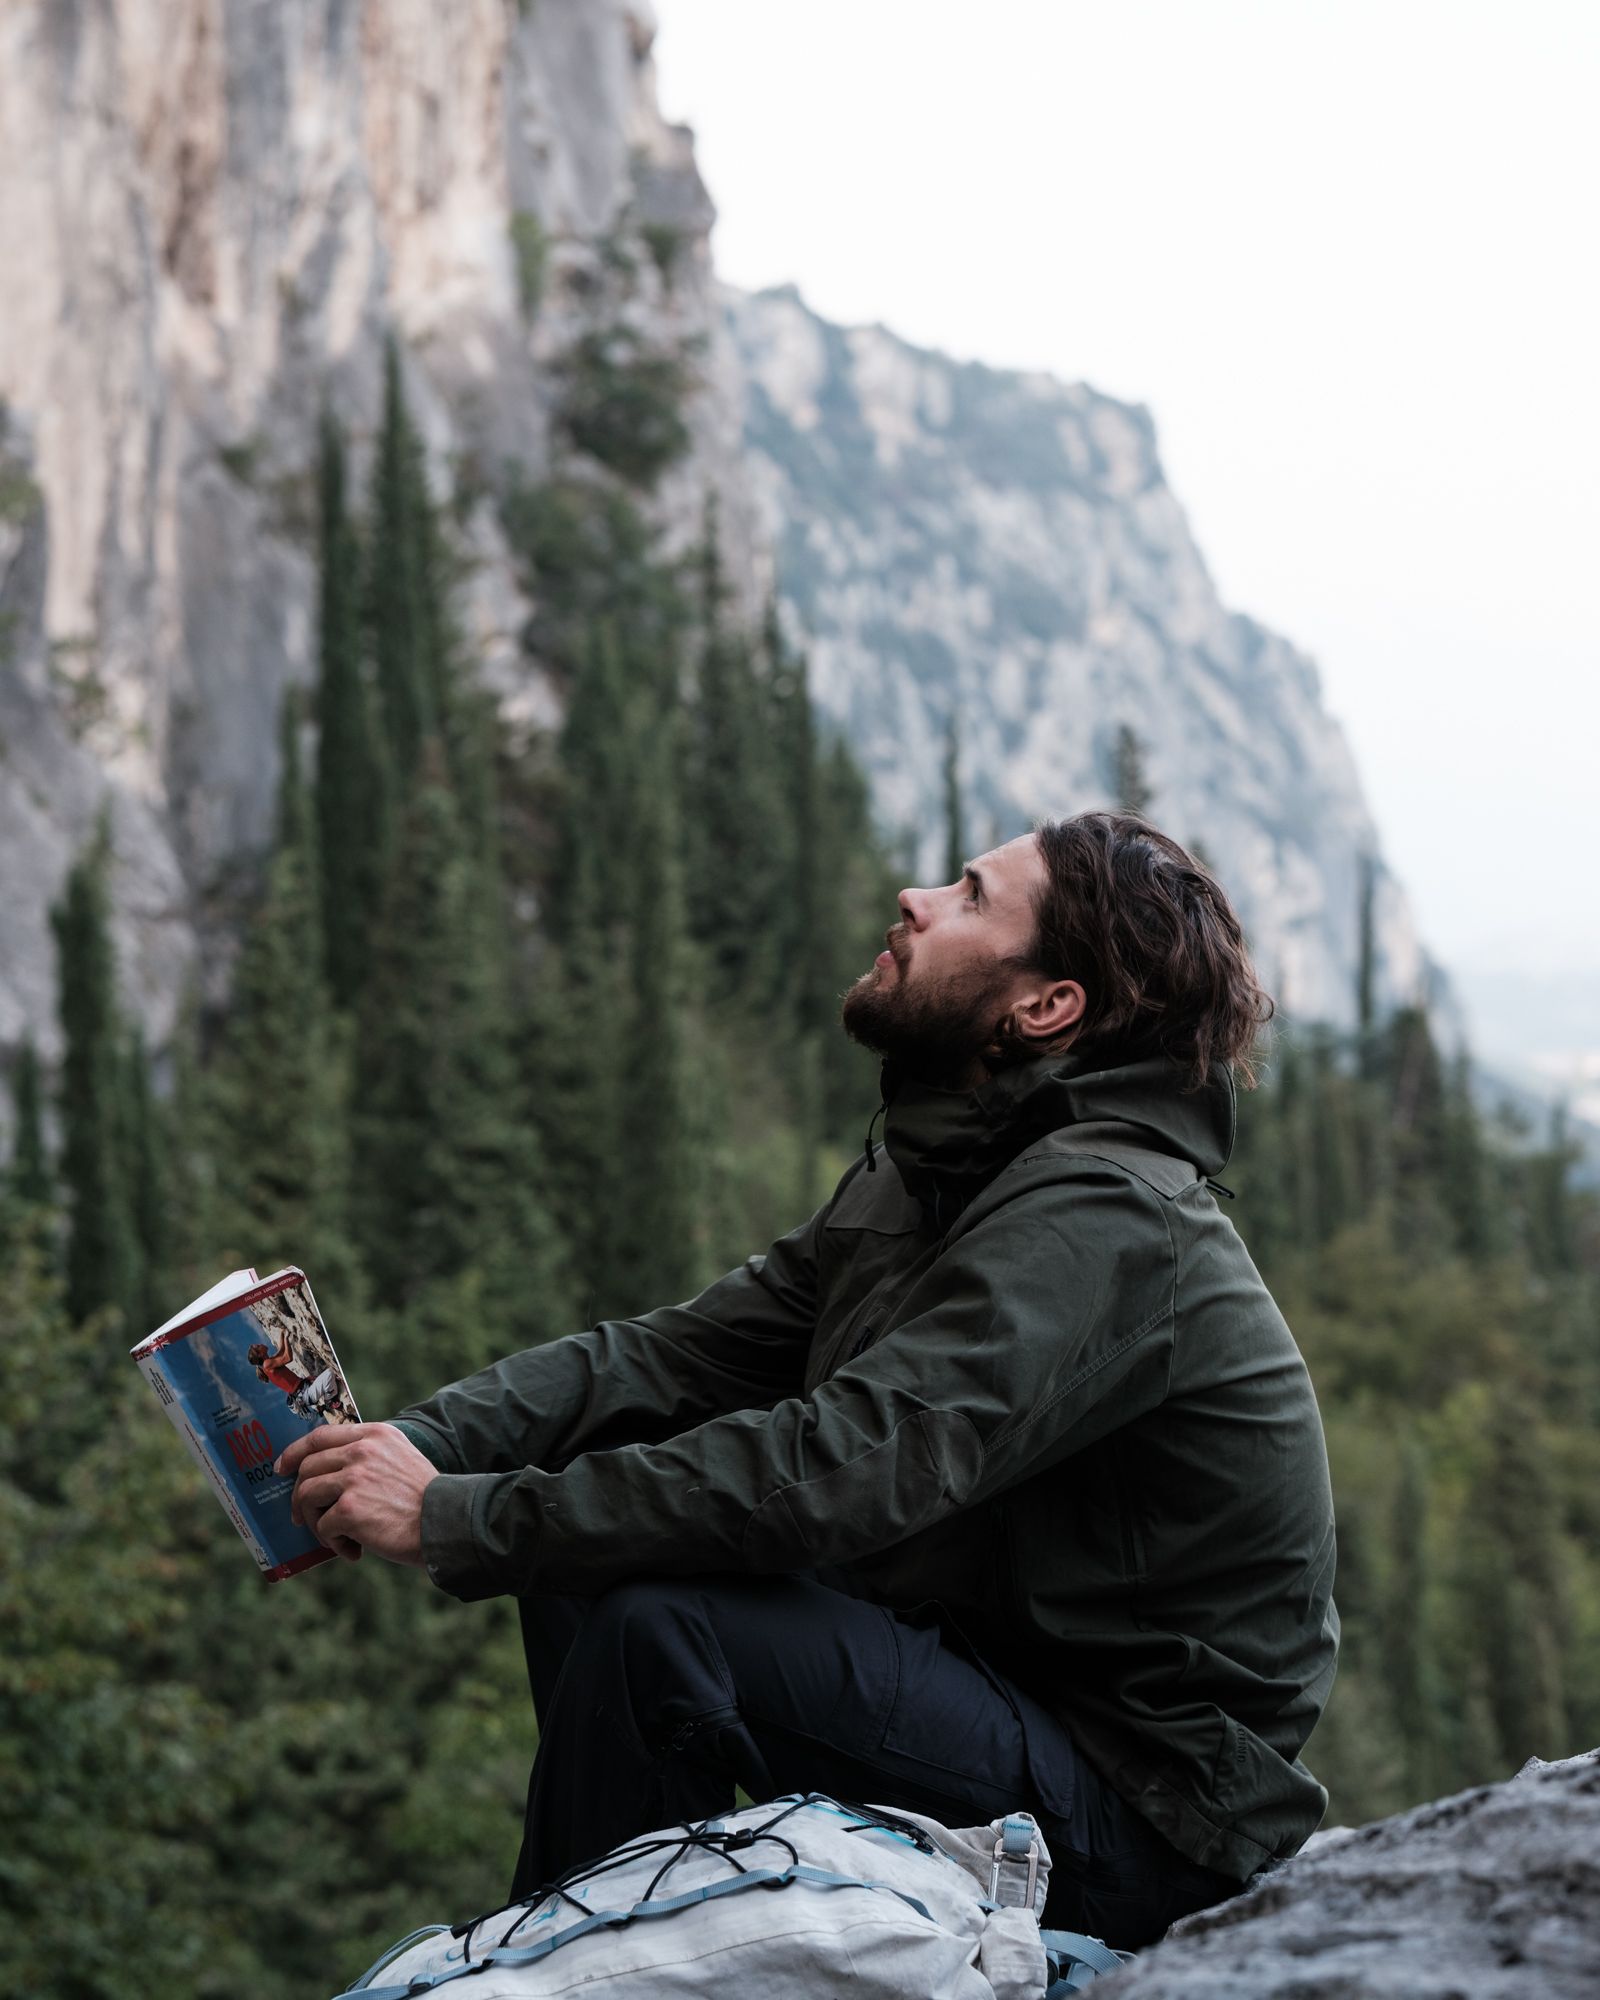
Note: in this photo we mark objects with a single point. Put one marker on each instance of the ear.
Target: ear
(1050, 1011)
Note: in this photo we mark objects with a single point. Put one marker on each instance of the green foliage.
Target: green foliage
(513, 1043)
(1367, 949)
(29, 1179)
(739, 826)
(241, 460)
(955, 839)
(691, 764)
(1129, 781)
(354, 781)
(449, 1172)
(666, 245)
(655, 1182)
(142, 1144)
(105, 1265)
(530, 251)
(275, 1091)
(189, 1758)
(1458, 1368)
(623, 403)
(399, 614)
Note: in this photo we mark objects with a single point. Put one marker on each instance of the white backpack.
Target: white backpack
(794, 1900)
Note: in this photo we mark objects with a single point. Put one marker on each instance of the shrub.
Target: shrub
(623, 403)
(530, 248)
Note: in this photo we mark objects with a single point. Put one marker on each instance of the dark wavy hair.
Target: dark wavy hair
(1151, 937)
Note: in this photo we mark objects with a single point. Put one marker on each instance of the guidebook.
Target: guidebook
(243, 1371)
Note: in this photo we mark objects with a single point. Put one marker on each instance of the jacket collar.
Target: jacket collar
(947, 1145)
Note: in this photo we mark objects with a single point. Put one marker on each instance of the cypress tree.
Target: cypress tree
(813, 997)
(657, 1254)
(1415, 1134)
(955, 845)
(736, 844)
(451, 1181)
(1131, 785)
(103, 1265)
(353, 780)
(1552, 1212)
(400, 618)
(596, 781)
(277, 1091)
(1523, 1620)
(1333, 1149)
(1464, 1169)
(145, 1171)
(1366, 961)
(1406, 1628)
(572, 1077)
(858, 894)
(804, 992)
(30, 1178)
(193, 1239)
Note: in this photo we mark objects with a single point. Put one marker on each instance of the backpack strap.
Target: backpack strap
(1075, 1959)
(1015, 1875)
(659, 1906)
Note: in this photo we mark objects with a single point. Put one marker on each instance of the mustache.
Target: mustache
(895, 937)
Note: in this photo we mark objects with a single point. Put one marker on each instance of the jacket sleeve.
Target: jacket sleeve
(1045, 1325)
(742, 1343)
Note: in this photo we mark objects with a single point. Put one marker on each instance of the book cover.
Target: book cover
(243, 1371)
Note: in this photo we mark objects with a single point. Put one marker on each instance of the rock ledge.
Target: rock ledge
(1491, 1894)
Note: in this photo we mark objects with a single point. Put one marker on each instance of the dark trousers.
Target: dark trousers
(655, 1699)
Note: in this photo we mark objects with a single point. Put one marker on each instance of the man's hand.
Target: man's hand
(359, 1486)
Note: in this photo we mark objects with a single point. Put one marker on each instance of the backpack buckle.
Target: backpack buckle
(1018, 1842)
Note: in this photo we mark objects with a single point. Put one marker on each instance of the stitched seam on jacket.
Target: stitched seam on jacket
(1111, 1160)
(782, 1493)
(1159, 1317)
(965, 1222)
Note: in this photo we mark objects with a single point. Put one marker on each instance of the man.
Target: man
(998, 1483)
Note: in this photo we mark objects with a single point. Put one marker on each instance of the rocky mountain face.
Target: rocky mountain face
(1494, 1893)
(958, 543)
(214, 213)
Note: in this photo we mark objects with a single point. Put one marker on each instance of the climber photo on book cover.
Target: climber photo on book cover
(301, 1362)
(243, 1371)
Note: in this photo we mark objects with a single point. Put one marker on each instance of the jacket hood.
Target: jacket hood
(947, 1145)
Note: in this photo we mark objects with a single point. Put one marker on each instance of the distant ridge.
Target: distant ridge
(959, 542)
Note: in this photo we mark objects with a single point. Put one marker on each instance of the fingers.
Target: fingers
(323, 1438)
(335, 1534)
(323, 1466)
(314, 1493)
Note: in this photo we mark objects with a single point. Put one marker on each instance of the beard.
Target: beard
(936, 1030)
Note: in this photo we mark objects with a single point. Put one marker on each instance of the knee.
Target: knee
(635, 1625)
(651, 1649)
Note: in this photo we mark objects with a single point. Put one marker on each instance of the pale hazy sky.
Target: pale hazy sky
(1345, 252)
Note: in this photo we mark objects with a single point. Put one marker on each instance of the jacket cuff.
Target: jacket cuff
(454, 1508)
(428, 1441)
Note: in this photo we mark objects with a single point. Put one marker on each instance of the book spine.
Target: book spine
(154, 1371)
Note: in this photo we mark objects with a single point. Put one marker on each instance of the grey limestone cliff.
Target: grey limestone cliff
(214, 212)
(956, 541)
(220, 210)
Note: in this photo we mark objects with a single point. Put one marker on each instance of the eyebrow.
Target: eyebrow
(971, 875)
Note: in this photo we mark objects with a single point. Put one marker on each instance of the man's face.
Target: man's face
(954, 971)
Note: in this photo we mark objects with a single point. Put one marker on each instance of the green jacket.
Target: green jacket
(1021, 1366)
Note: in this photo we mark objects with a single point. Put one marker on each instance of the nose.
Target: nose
(914, 907)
